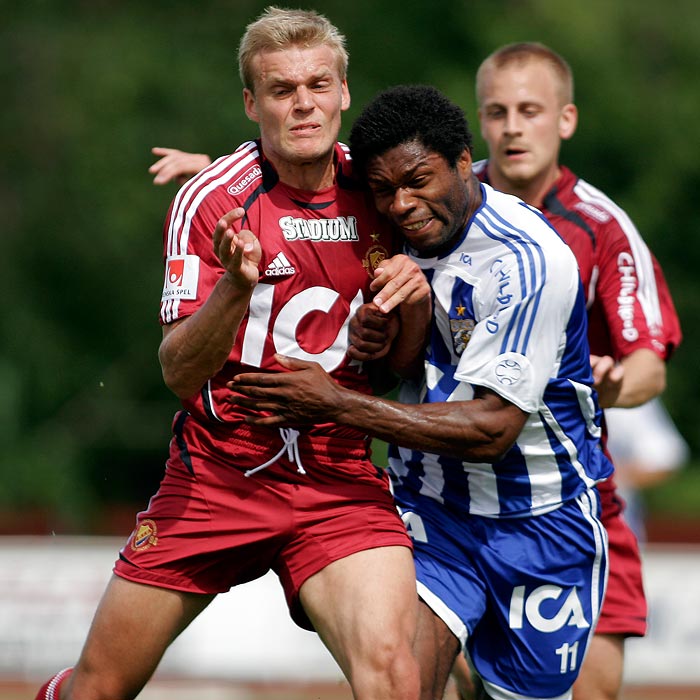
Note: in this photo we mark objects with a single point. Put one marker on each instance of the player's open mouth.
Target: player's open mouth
(416, 225)
(514, 152)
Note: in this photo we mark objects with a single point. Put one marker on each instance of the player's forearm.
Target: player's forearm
(643, 380)
(194, 350)
(407, 354)
(457, 429)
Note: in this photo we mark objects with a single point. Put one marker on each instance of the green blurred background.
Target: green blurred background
(89, 87)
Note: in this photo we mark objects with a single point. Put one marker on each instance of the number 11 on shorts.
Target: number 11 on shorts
(569, 656)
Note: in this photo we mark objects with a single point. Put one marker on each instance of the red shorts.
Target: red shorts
(624, 607)
(209, 527)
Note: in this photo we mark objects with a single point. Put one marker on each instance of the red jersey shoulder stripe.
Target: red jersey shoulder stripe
(221, 172)
(647, 291)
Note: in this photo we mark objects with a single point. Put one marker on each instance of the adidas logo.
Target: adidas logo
(280, 266)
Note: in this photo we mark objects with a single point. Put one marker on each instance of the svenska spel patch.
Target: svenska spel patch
(181, 277)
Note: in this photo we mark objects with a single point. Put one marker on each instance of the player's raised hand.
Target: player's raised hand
(399, 280)
(176, 165)
(239, 251)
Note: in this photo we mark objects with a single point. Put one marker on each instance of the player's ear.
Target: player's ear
(568, 121)
(345, 95)
(464, 164)
(251, 109)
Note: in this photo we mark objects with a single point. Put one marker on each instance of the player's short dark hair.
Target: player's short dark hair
(520, 54)
(407, 113)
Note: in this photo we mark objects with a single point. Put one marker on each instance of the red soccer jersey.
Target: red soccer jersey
(629, 304)
(319, 251)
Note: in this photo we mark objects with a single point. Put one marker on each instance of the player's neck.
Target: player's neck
(309, 176)
(531, 191)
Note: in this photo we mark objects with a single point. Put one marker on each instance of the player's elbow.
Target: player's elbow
(179, 383)
(488, 443)
(178, 376)
(490, 450)
(494, 429)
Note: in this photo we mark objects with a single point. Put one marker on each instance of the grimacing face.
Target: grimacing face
(523, 122)
(421, 194)
(297, 102)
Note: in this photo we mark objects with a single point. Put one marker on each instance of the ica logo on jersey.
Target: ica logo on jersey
(284, 327)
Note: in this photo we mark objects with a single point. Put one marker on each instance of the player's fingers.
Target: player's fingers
(270, 421)
(250, 380)
(356, 354)
(294, 363)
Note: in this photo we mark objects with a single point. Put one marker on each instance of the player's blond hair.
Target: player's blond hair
(279, 28)
(521, 54)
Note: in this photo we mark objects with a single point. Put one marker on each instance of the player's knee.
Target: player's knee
(389, 665)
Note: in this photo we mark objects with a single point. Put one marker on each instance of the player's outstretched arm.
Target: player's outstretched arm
(478, 430)
(176, 165)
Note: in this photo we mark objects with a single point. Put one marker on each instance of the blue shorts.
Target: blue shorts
(522, 595)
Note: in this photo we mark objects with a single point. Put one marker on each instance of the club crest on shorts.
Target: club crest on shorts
(374, 256)
(145, 536)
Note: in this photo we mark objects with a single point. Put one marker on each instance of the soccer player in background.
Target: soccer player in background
(525, 96)
(496, 448)
(293, 233)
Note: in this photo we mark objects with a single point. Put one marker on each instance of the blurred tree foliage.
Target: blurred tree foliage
(90, 86)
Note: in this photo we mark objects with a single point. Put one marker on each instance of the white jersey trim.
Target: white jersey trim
(647, 291)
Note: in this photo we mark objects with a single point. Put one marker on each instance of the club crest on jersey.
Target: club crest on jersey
(461, 330)
(181, 277)
(145, 536)
(374, 256)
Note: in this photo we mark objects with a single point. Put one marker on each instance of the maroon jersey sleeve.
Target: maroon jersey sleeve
(191, 267)
(631, 295)
(630, 306)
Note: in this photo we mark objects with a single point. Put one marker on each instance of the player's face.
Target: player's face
(426, 199)
(298, 100)
(523, 120)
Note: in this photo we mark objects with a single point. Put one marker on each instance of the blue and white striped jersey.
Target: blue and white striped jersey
(510, 315)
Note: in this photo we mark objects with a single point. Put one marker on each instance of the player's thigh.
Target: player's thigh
(601, 673)
(364, 605)
(435, 648)
(463, 678)
(133, 626)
